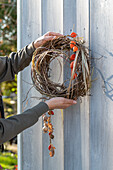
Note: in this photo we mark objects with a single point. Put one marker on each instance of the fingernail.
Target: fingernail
(74, 102)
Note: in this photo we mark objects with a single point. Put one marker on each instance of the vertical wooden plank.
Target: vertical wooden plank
(31, 139)
(101, 118)
(52, 16)
(52, 12)
(19, 97)
(72, 138)
(76, 118)
(83, 31)
(72, 132)
(69, 16)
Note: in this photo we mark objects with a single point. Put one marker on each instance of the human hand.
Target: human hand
(60, 103)
(46, 37)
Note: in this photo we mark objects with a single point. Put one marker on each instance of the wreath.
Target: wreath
(71, 53)
(74, 53)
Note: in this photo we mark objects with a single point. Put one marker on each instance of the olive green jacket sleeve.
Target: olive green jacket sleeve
(14, 125)
(9, 66)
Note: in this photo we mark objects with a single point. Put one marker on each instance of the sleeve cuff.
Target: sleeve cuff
(41, 108)
(30, 49)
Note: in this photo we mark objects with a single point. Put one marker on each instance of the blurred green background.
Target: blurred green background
(8, 44)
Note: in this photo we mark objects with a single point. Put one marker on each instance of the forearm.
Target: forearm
(14, 125)
(15, 62)
(22, 58)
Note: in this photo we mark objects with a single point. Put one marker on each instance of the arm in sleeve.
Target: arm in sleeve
(16, 124)
(9, 66)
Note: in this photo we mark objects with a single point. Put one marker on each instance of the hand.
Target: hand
(59, 103)
(46, 37)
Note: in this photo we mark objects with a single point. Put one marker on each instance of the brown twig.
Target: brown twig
(54, 50)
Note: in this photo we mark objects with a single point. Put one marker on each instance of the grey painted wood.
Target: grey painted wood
(82, 141)
(83, 31)
(30, 139)
(101, 115)
(72, 138)
(52, 13)
(52, 16)
(72, 130)
(70, 141)
(76, 118)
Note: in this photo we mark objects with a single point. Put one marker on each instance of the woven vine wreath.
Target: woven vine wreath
(76, 58)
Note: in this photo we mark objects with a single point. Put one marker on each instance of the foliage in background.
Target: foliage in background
(9, 87)
(8, 44)
(8, 38)
(8, 161)
(8, 26)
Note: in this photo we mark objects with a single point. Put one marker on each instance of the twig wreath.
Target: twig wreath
(75, 55)
(79, 82)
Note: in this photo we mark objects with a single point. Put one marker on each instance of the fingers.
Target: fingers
(60, 103)
(47, 38)
(53, 34)
(64, 106)
(68, 101)
(40, 41)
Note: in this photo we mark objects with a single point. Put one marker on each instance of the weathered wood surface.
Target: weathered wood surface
(101, 105)
(76, 118)
(83, 134)
(31, 139)
(52, 13)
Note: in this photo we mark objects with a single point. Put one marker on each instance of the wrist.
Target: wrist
(38, 43)
(49, 105)
(30, 49)
(33, 45)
